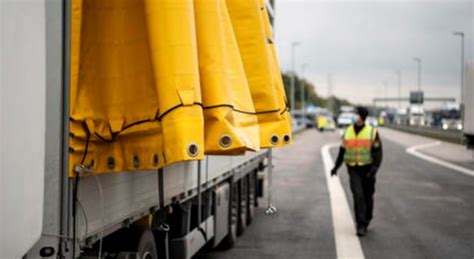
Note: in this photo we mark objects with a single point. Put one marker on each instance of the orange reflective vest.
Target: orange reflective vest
(358, 146)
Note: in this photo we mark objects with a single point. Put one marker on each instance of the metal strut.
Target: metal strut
(199, 201)
(270, 209)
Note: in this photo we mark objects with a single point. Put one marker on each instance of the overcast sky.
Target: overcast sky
(362, 43)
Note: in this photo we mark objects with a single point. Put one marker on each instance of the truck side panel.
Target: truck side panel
(130, 195)
(22, 125)
(109, 199)
(469, 101)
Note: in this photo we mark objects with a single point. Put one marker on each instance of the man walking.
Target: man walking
(361, 151)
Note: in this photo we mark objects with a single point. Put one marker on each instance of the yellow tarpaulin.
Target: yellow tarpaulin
(154, 82)
(135, 95)
(284, 123)
(229, 112)
(251, 27)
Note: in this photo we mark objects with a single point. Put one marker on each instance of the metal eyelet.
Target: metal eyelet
(193, 150)
(274, 139)
(155, 160)
(136, 161)
(111, 163)
(286, 138)
(225, 141)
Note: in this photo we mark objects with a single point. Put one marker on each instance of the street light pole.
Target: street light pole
(399, 75)
(461, 34)
(418, 60)
(293, 72)
(303, 94)
(385, 91)
(330, 93)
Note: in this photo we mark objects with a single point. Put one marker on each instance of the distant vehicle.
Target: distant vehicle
(324, 122)
(345, 119)
(401, 118)
(381, 121)
(372, 121)
(416, 115)
(347, 109)
(468, 123)
(391, 113)
(297, 118)
(310, 120)
(451, 124)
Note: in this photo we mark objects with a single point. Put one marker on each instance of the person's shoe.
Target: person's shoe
(361, 230)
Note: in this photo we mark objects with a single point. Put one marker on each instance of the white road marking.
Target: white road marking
(347, 243)
(414, 151)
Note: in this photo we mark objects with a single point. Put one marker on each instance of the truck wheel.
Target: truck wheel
(147, 246)
(243, 201)
(229, 241)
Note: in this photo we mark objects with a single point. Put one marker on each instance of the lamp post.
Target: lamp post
(461, 34)
(330, 93)
(399, 75)
(418, 60)
(292, 83)
(303, 94)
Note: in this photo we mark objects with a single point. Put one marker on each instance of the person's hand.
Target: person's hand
(371, 173)
(334, 172)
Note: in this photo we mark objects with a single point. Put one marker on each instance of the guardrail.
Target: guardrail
(453, 136)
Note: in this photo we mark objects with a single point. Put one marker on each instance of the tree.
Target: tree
(311, 96)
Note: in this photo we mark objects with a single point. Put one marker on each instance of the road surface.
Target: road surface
(422, 209)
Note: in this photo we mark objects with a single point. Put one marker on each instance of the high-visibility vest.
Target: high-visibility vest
(358, 146)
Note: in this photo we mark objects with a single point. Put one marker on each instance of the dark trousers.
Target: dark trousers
(363, 189)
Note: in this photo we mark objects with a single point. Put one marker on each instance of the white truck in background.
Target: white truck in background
(416, 115)
(169, 213)
(468, 123)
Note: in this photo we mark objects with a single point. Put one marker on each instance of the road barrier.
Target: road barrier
(454, 136)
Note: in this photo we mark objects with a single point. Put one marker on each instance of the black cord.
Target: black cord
(75, 190)
(160, 117)
(74, 211)
(86, 149)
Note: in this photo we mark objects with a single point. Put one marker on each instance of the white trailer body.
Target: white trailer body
(36, 195)
(468, 124)
(22, 125)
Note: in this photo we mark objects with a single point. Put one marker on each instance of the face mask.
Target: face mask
(356, 118)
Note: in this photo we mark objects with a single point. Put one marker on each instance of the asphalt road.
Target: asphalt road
(422, 209)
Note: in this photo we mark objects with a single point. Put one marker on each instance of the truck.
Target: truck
(468, 109)
(416, 115)
(168, 212)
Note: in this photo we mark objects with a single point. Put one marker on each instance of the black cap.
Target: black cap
(362, 112)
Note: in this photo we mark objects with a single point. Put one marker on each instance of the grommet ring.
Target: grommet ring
(274, 139)
(91, 165)
(286, 138)
(155, 160)
(193, 150)
(225, 141)
(111, 163)
(136, 161)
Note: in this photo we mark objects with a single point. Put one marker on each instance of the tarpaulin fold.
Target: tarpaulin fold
(252, 29)
(134, 85)
(231, 125)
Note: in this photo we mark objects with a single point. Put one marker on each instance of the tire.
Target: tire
(229, 241)
(243, 205)
(147, 246)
